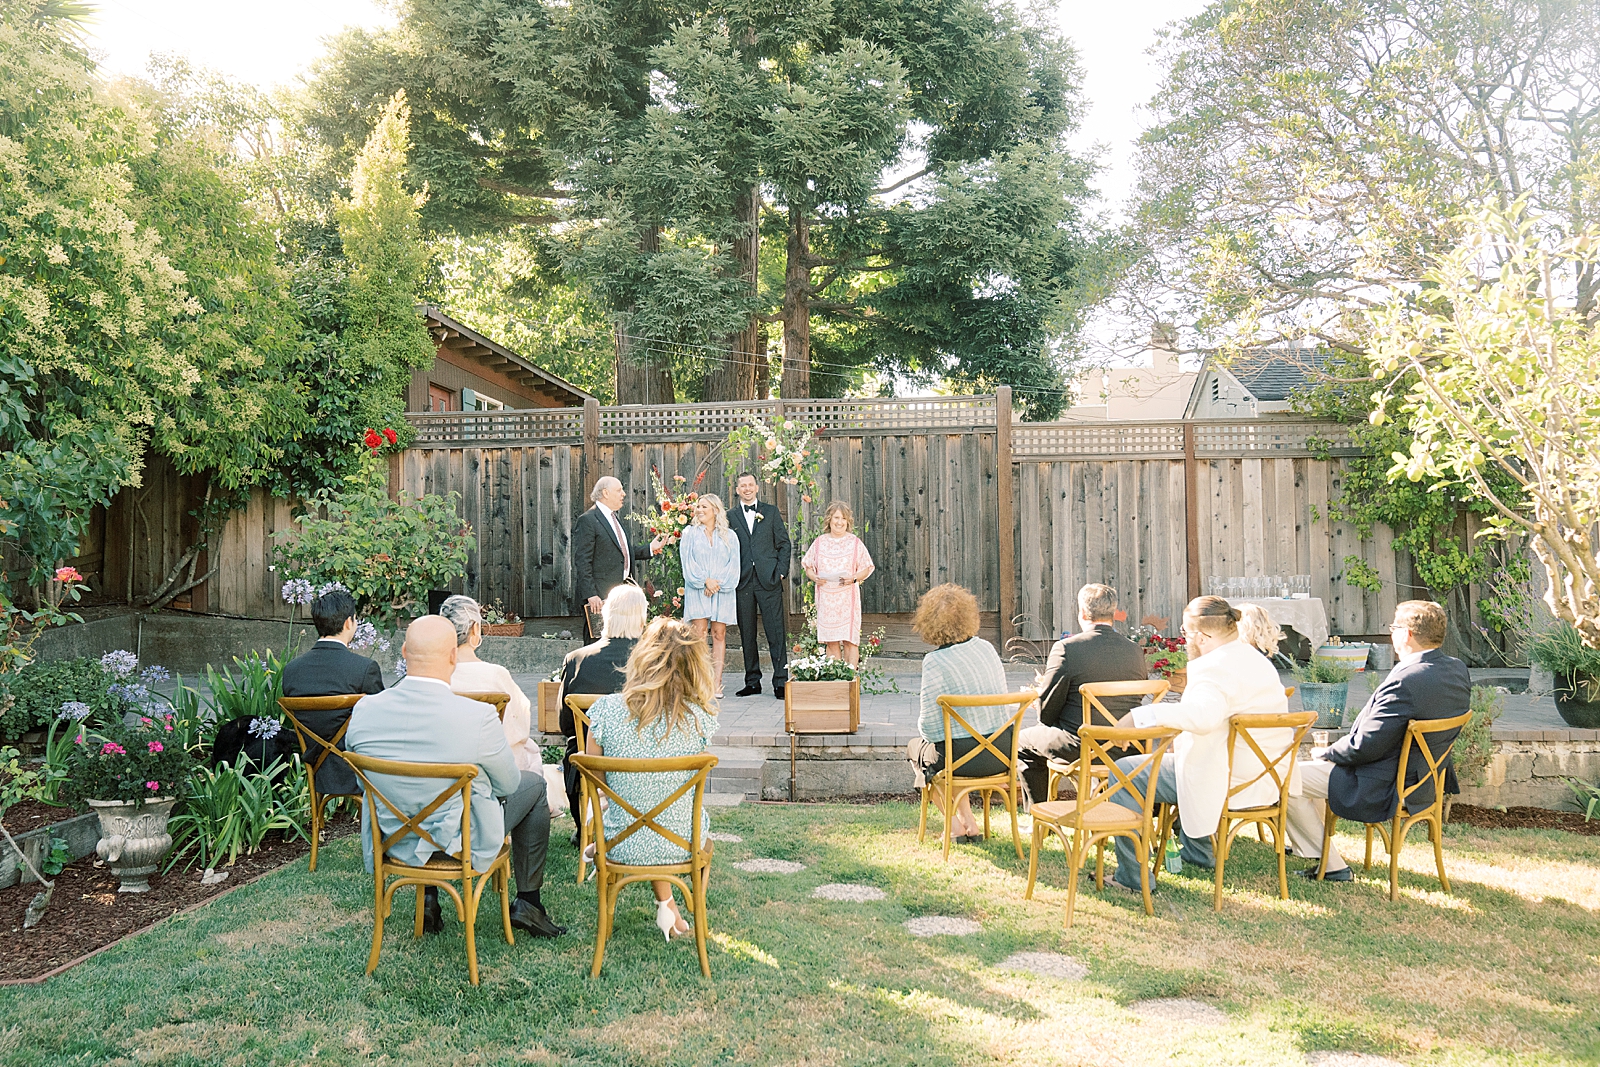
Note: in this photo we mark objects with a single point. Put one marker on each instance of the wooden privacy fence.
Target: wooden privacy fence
(943, 489)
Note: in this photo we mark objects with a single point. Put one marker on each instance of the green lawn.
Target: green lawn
(1507, 970)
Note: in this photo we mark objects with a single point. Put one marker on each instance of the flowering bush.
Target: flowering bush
(138, 762)
(495, 614)
(22, 627)
(873, 680)
(822, 668)
(673, 514)
(386, 553)
(1165, 656)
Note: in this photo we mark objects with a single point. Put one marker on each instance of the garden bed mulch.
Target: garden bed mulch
(87, 913)
(31, 815)
(1524, 819)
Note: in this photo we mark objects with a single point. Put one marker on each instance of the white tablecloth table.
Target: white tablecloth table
(1307, 616)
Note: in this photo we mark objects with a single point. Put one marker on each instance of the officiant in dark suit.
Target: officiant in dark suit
(602, 553)
(764, 551)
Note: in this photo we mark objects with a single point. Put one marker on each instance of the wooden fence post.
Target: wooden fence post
(1191, 509)
(591, 448)
(395, 471)
(1005, 519)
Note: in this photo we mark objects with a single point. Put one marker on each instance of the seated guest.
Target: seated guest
(659, 713)
(473, 675)
(327, 668)
(1096, 654)
(598, 669)
(420, 720)
(1355, 776)
(1258, 630)
(1227, 677)
(961, 664)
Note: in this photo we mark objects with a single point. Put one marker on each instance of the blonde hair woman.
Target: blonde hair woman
(838, 562)
(710, 555)
(1258, 630)
(473, 675)
(661, 712)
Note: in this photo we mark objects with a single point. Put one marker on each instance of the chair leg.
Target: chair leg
(1280, 841)
(1438, 852)
(378, 910)
(1100, 867)
(1032, 858)
(1014, 802)
(316, 826)
(1396, 842)
(949, 817)
(1367, 864)
(503, 883)
(416, 929)
(1144, 880)
(585, 830)
(985, 794)
(1329, 822)
(602, 927)
(698, 906)
(1219, 844)
(470, 921)
(1072, 875)
(922, 821)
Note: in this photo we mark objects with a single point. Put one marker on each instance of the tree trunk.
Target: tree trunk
(797, 308)
(644, 376)
(734, 377)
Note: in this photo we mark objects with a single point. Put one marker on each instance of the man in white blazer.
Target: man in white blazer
(419, 719)
(1227, 677)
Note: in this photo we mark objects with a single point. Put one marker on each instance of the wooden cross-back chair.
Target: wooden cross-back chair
(1394, 835)
(315, 750)
(612, 877)
(499, 700)
(1091, 818)
(1242, 729)
(579, 704)
(952, 787)
(442, 869)
(1093, 693)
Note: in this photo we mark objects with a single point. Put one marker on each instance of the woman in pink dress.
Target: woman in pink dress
(838, 562)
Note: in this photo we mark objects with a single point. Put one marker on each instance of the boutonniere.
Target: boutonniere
(759, 516)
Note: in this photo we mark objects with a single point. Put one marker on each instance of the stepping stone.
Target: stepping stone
(765, 866)
(853, 894)
(941, 926)
(1046, 964)
(732, 839)
(1181, 1011)
(1327, 1058)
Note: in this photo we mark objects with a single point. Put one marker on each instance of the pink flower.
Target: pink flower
(156, 746)
(111, 748)
(169, 727)
(152, 786)
(78, 740)
(68, 574)
(144, 721)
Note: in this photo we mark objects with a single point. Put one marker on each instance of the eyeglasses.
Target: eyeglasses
(1395, 628)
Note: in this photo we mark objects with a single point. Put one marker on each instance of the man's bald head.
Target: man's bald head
(430, 648)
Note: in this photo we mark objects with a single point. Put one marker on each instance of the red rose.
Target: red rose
(390, 436)
(371, 439)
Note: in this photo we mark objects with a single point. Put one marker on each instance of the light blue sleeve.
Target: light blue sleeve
(728, 571)
(694, 551)
(930, 721)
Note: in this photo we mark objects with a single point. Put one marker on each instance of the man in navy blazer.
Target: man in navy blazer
(1355, 776)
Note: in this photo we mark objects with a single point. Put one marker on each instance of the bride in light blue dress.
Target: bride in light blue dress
(710, 554)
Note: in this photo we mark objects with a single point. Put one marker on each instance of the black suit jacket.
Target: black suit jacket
(597, 563)
(596, 668)
(1097, 655)
(325, 669)
(1362, 786)
(764, 554)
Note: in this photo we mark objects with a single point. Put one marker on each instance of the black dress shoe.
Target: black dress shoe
(748, 691)
(777, 692)
(432, 916)
(533, 920)
(1343, 874)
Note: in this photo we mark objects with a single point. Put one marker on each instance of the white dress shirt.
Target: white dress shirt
(616, 531)
(750, 516)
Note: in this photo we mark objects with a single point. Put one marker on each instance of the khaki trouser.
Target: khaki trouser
(1308, 811)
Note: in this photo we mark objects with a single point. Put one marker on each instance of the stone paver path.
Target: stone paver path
(769, 866)
(1326, 1058)
(1179, 1010)
(941, 926)
(1045, 964)
(848, 893)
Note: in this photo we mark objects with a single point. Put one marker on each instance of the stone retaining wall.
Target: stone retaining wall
(81, 832)
(1529, 768)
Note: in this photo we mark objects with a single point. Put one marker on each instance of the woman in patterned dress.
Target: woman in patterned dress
(659, 713)
(710, 554)
(838, 562)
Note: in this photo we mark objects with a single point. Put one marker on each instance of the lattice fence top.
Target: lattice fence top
(459, 429)
(1231, 438)
(641, 422)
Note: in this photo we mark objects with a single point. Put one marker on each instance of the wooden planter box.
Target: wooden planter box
(822, 707)
(549, 708)
(503, 629)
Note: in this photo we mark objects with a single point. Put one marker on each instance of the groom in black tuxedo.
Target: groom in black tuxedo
(763, 565)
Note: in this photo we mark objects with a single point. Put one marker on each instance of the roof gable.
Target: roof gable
(464, 340)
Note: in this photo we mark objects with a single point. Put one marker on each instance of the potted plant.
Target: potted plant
(130, 774)
(1324, 689)
(823, 696)
(1164, 657)
(498, 622)
(1576, 668)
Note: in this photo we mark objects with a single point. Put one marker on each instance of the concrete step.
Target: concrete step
(738, 772)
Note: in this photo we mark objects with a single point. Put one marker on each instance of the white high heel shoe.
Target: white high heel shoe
(666, 918)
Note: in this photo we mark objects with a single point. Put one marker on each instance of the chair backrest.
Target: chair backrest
(580, 703)
(1094, 692)
(499, 700)
(1279, 767)
(1096, 743)
(595, 769)
(1417, 739)
(948, 703)
(311, 740)
(459, 776)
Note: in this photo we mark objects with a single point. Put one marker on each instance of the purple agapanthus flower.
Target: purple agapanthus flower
(76, 710)
(298, 591)
(327, 587)
(120, 663)
(367, 636)
(400, 668)
(154, 675)
(264, 729)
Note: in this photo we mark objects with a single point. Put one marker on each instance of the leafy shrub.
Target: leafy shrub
(1588, 796)
(253, 691)
(1474, 747)
(1318, 671)
(41, 688)
(19, 783)
(122, 762)
(1561, 651)
(228, 811)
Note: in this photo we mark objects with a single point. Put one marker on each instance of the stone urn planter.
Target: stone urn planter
(1328, 700)
(133, 839)
(1572, 693)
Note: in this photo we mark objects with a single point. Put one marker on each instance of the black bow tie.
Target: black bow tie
(751, 507)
